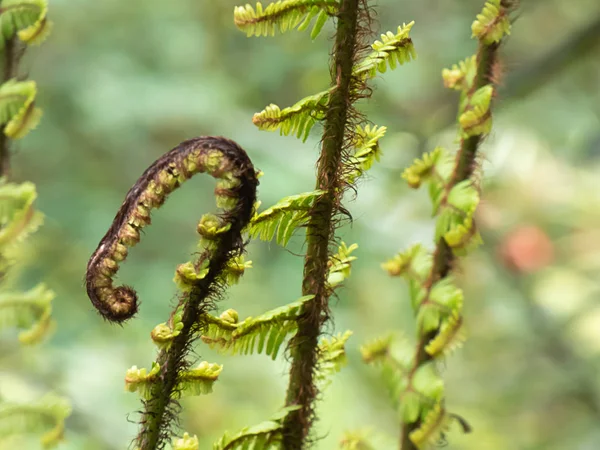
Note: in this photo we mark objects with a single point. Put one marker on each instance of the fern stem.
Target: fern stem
(11, 57)
(443, 257)
(320, 232)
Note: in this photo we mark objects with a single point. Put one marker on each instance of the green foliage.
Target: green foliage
(186, 442)
(264, 436)
(356, 440)
(332, 358)
(492, 23)
(266, 332)
(17, 109)
(284, 15)
(28, 311)
(45, 416)
(26, 18)
(18, 218)
(297, 119)
(366, 150)
(340, 264)
(196, 381)
(282, 219)
(394, 49)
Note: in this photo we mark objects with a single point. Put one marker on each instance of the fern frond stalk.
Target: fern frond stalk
(236, 193)
(11, 56)
(320, 230)
(443, 257)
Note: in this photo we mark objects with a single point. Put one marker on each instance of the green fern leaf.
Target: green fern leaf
(195, 381)
(492, 24)
(255, 334)
(340, 264)
(391, 51)
(297, 119)
(264, 436)
(186, 442)
(44, 416)
(284, 15)
(28, 311)
(27, 18)
(17, 108)
(332, 358)
(282, 219)
(366, 150)
(18, 219)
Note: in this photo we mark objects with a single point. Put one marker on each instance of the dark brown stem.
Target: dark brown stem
(304, 346)
(11, 57)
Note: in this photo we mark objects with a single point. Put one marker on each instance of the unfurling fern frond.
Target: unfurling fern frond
(492, 23)
(44, 416)
(461, 75)
(26, 18)
(332, 358)
(477, 119)
(255, 334)
(297, 119)
(392, 50)
(340, 264)
(282, 219)
(435, 423)
(196, 381)
(28, 311)
(17, 108)
(284, 15)
(366, 150)
(264, 436)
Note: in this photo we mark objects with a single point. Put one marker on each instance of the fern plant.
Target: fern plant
(349, 147)
(23, 23)
(412, 375)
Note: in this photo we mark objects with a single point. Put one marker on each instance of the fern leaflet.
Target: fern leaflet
(284, 15)
(264, 436)
(255, 334)
(282, 219)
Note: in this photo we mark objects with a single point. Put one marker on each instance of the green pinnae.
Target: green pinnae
(120, 252)
(129, 235)
(214, 162)
(210, 226)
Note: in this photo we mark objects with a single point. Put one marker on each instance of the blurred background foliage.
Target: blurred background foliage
(123, 82)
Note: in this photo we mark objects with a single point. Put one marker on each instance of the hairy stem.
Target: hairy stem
(10, 60)
(236, 190)
(304, 346)
(443, 257)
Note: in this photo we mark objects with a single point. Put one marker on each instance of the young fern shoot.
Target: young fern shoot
(348, 148)
(414, 382)
(201, 281)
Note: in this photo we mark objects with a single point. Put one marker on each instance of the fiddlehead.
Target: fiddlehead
(222, 238)
(219, 157)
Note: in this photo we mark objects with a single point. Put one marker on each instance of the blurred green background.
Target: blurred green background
(122, 82)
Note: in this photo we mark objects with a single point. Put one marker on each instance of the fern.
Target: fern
(46, 415)
(282, 219)
(297, 119)
(366, 150)
(255, 334)
(28, 311)
(264, 436)
(18, 219)
(392, 50)
(27, 18)
(492, 24)
(284, 15)
(196, 381)
(17, 109)
(186, 442)
(340, 264)
(332, 358)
